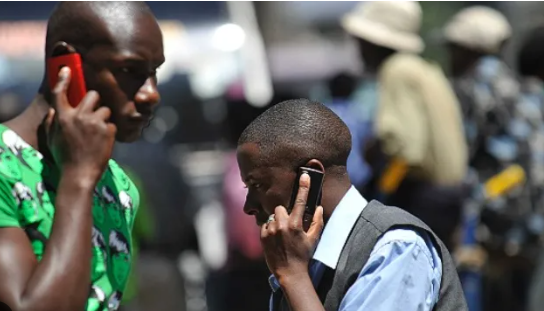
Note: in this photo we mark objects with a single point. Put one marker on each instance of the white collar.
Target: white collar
(338, 228)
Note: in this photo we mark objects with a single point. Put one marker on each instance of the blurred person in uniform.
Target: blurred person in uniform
(67, 209)
(503, 127)
(418, 156)
(341, 88)
(530, 64)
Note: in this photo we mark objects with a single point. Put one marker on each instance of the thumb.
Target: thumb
(317, 225)
(49, 120)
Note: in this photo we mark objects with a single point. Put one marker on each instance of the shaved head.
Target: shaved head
(121, 48)
(295, 131)
(84, 24)
(289, 135)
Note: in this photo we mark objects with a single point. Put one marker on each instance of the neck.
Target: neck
(333, 192)
(465, 69)
(28, 123)
(373, 66)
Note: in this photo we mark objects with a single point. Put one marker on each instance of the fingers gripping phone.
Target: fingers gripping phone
(314, 194)
(65, 55)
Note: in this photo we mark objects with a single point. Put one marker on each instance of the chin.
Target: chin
(128, 136)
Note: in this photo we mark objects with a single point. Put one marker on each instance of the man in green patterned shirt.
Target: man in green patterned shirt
(67, 209)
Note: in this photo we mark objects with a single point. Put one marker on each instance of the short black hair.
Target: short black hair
(72, 21)
(531, 54)
(296, 131)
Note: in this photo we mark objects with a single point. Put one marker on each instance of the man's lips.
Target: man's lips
(143, 117)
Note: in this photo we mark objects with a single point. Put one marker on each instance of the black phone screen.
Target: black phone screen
(314, 195)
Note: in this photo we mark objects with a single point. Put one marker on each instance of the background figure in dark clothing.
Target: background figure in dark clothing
(341, 88)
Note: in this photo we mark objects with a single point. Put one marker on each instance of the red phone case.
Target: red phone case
(77, 88)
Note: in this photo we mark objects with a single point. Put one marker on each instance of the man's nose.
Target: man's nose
(148, 93)
(250, 208)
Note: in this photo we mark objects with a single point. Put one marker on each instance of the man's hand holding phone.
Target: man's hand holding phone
(80, 138)
(288, 249)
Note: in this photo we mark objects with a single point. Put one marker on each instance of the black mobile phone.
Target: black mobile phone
(314, 195)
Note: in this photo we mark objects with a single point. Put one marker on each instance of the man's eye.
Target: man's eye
(132, 71)
(252, 186)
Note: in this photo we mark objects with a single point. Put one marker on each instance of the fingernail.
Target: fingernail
(64, 72)
(305, 177)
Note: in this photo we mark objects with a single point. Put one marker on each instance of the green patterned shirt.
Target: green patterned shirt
(27, 193)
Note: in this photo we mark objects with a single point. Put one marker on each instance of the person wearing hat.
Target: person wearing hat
(418, 130)
(503, 127)
(475, 37)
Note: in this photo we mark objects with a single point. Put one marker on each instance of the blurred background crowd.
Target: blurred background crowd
(445, 102)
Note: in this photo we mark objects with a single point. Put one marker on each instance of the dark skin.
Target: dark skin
(287, 246)
(121, 78)
(373, 55)
(462, 60)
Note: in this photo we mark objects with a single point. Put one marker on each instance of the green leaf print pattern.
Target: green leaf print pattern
(112, 250)
(32, 183)
(9, 165)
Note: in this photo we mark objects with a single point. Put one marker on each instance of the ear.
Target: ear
(60, 48)
(315, 164)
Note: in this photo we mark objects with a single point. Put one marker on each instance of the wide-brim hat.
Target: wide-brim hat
(478, 28)
(394, 25)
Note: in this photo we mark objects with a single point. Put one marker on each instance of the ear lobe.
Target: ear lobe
(315, 164)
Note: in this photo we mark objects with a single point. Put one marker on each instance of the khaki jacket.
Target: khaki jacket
(419, 119)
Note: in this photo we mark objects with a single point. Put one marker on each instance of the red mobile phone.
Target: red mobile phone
(65, 56)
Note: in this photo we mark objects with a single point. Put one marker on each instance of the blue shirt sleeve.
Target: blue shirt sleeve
(403, 273)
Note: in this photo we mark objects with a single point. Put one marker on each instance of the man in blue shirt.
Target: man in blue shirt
(404, 270)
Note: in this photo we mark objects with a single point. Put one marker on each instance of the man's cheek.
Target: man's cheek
(275, 199)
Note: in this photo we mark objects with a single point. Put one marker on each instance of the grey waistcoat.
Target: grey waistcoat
(374, 221)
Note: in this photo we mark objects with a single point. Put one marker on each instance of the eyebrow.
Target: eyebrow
(249, 178)
(134, 58)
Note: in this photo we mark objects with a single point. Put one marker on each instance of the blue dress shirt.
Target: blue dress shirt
(403, 272)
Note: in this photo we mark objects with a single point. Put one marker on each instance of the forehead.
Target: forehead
(137, 37)
(253, 165)
(252, 168)
(249, 158)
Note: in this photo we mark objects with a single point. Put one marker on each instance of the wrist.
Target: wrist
(289, 279)
(79, 178)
